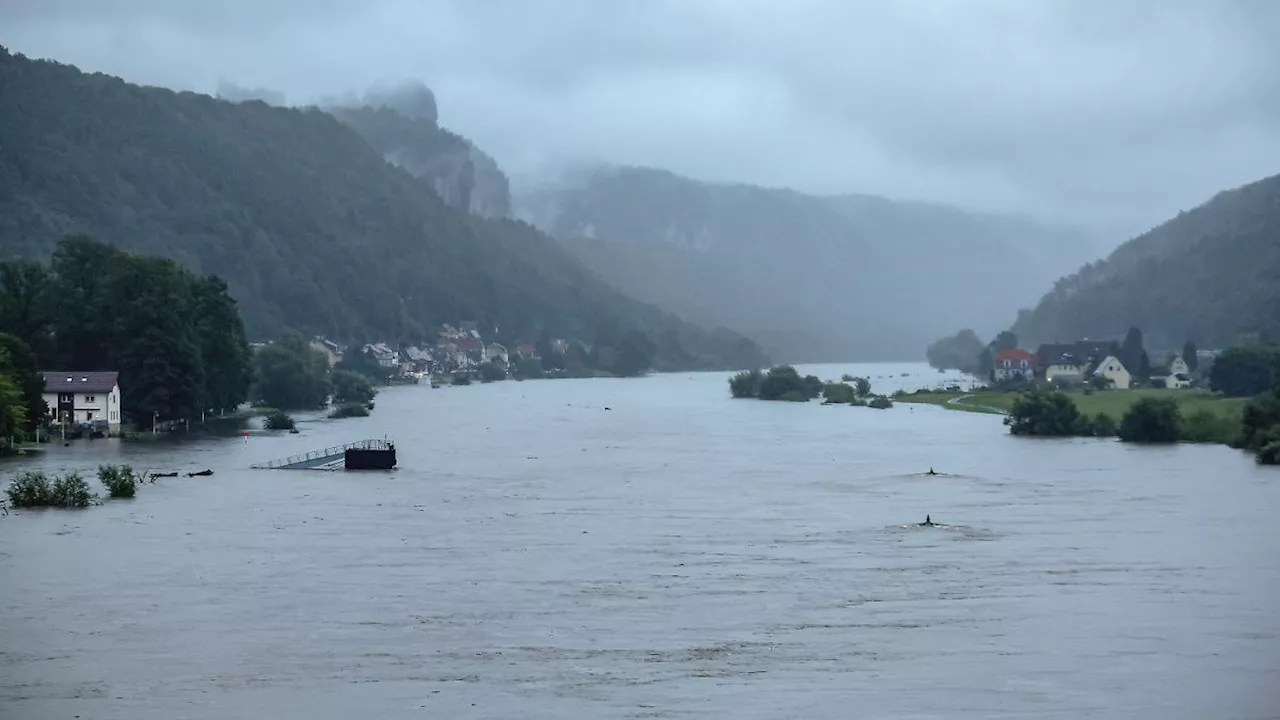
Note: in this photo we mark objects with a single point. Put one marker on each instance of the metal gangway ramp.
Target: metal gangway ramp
(332, 458)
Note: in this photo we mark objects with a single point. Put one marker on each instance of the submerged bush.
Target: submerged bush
(349, 410)
(1046, 414)
(793, 396)
(30, 489)
(746, 384)
(279, 421)
(880, 402)
(1152, 420)
(71, 491)
(838, 393)
(120, 481)
(1104, 425)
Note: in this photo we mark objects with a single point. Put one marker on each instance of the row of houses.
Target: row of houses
(457, 349)
(1078, 362)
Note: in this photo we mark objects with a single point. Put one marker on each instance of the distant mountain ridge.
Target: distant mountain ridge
(811, 278)
(1208, 275)
(310, 226)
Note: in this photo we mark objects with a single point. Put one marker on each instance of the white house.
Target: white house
(1064, 371)
(1178, 366)
(1112, 369)
(76, 397)
(494, 351)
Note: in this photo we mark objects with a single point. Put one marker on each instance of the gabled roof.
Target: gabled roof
(1015, 354)
(79, 381)
(1108, 360)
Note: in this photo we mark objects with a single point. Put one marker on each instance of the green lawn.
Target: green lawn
(1110, 402)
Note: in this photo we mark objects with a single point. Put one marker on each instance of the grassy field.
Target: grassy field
(1111, 402)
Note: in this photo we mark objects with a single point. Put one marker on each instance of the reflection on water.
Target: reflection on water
(680, 555)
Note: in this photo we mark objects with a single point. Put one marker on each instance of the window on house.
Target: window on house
(88, 398)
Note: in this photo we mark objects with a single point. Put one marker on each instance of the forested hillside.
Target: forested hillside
(310, 226)
(810, 278)
(1208, 275)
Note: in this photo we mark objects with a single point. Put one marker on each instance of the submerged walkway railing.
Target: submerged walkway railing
(327, 459)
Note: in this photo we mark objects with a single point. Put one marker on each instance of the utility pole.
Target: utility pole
(155, 417)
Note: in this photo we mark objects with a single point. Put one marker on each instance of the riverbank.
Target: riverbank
(1113, 403)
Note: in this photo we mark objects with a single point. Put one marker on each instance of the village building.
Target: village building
(1015, 363)
(1112, 369)
(78, 397)
(493, 352)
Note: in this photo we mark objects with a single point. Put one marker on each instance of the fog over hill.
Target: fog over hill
(811, 278)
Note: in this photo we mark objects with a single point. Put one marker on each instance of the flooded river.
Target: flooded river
(650, 548)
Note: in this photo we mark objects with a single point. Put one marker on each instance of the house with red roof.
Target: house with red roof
(1015, 363)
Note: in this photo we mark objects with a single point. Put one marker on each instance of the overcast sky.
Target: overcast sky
(1107, 111)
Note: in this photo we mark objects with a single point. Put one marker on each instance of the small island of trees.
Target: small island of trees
(784, 383)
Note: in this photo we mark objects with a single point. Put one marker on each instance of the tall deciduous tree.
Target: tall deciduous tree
(1190, 357)
(26, 298)
(292, 375)
(21, 368)
(224, 350)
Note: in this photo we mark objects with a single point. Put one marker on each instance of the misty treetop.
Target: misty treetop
(308, 224)
(176, 339)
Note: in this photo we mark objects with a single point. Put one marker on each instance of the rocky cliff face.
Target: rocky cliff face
(402, 126)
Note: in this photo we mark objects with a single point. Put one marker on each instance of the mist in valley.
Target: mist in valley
(836, 181)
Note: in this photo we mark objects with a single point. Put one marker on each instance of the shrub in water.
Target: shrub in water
(793, 396)
(120, 481)
(349, 410)
(71, 491)
(30, 489)
(880, 403)
(838, 393)
(745, 384)
(1152, 420)
(1104, 425)
(279, 421)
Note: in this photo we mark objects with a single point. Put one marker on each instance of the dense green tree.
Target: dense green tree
(26, 306)
(1190, 356)
(862, 386)
(292, 375)
(493, 371)
(357, 360)
(1244, 370)
(1152, 420)
(82, 305)
(962, 351)
(1132, 352)
(351, 387)
(13, 413)
(224, 350)
(18, 364)
(838, 393)
(1005, 340)
(1261, 418)
(783, 379)
(746, 384)
(152, 338)
(527, 369)
(1051, 414)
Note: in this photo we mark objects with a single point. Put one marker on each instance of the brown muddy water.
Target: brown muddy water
(650, 548)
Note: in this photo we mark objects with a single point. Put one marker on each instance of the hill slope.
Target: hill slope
(309, 225)
(810, 278)
(1207, 275)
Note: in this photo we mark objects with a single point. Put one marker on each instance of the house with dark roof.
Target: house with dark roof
(1073, 361)
(78, 397)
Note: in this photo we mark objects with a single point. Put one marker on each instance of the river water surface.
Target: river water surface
(649, 548)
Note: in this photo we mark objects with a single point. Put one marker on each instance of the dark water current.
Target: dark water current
(678, 555)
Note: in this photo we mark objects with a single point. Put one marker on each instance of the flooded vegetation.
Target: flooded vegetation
(677, 555)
